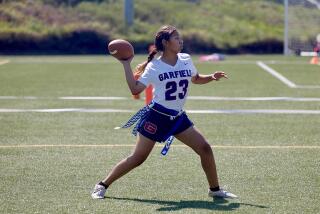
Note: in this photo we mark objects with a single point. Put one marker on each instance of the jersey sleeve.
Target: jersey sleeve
(194, 70)
(146, 77)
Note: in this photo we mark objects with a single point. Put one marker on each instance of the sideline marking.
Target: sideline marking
(284, 79)
(207, 98)
(208, 111)
(4, 62)
(157, 145)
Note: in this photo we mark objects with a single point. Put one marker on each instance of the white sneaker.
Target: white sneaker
(221, 194)
(98, 192)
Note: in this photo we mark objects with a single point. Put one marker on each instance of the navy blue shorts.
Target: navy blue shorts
(159, 127)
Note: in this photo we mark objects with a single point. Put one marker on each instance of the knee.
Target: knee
(136, 160)
(205, 149)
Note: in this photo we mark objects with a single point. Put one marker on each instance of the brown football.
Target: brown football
(121, 49)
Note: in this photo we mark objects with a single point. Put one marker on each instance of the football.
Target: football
(121, 49)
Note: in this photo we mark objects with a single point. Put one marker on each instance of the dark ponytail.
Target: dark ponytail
(140, 68)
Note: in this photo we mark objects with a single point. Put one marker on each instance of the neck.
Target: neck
(169, 58)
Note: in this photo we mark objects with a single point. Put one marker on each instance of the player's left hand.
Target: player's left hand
(218, 75)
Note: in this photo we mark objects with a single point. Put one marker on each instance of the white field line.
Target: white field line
(205, 98)
(111, 60)
(284, 79)
(64, 98)
(208, 111)
(57, 110)
(254, 111)
(276, 75)
(294, 99)
(18, 98)
(248, 62)
(2, 62)
(157, 145)
(93, 98)
(308, 86)
(40, 60)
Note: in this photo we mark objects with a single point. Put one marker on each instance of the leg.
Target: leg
(194, 139)
(142, 150)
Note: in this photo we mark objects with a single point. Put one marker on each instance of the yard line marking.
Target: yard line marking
(18, 98)
(4, 62)
(299, 99)
(93, 98)
(65, 110)
(284, 79)
(308, 86)
(248, 62)
(157, 145)
(254, 111)
(276, 75)
(206, 98)
(208, 111)
(111, 60)
(40, 60)
(8, 97)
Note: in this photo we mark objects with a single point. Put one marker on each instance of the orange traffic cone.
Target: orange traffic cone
(149, 94)
(314, 60)
(136, 96)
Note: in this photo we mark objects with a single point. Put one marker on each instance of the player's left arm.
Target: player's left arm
(203, 79)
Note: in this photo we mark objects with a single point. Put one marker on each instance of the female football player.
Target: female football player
(170, 74)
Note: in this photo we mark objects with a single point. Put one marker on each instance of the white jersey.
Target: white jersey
(170, 83)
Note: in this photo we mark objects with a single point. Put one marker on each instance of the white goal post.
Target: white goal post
(301, 26)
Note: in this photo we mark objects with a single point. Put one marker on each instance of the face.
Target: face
(175, 43)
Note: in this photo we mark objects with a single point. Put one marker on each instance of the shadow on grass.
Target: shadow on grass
(216, 204)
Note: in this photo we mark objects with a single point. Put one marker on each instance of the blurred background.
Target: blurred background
(207, 26)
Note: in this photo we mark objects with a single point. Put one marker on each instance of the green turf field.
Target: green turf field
(57, 138)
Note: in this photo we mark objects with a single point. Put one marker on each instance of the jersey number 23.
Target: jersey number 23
(171, 89)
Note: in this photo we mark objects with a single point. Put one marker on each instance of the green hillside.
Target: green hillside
(232, 26)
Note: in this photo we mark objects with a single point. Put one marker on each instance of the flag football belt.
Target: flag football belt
(140, 115)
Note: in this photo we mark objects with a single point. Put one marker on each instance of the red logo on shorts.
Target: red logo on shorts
(150, 128)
